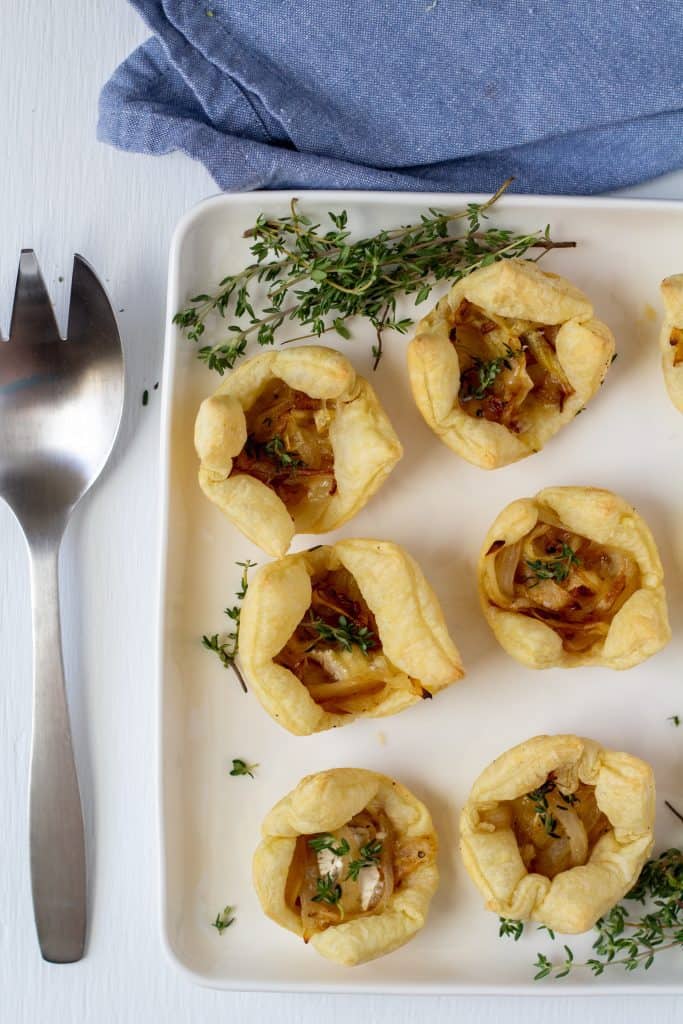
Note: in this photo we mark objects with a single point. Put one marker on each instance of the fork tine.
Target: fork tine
(91, 317)
(33, 319)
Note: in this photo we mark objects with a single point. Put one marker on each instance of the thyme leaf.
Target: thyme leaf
(241, 767)
(329, 891)
(557, 568)
(509, 928)
(540, 801)
(223, 919)
(328, 842)
(275, 448)
(486, 373)
(345, 634)
(369, 856)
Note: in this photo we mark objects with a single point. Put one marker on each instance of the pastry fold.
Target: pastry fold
(344, 415)
(306, 680)
(671, 338)
(324, 803)
(595, 596)
(505, 359)
(574, 899)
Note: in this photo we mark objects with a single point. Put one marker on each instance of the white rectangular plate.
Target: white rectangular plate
(439, 507)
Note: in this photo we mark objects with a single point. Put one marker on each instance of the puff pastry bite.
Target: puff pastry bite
(671, 338)
(505, 359)
(573, 577)
(345, 630)
(348, 862)
(293, 442)
(557, 830)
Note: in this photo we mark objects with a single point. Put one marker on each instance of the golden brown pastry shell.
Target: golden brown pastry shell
(574, 900)
(638, 630)
(515, 289)
(364, 444)
(409, 620)
(322, 803)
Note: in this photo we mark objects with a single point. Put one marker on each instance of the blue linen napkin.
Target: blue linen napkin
(443, 95)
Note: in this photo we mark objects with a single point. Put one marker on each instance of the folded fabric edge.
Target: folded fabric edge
(133, 121)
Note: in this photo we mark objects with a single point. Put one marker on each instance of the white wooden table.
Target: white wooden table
(60, 192)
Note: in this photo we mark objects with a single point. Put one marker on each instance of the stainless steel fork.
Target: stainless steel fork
(60, 409)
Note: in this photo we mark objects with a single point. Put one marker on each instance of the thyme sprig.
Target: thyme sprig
(625, 939)
(317, 277)
(539, 797)
(487, 371)
(328, 842)
(557, 568)
(369, 855)
(540, 801)
(329, 891)
(510, 929)
(226, 646)
(277, 451)
(345, 634)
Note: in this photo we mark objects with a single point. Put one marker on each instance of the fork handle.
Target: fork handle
(57, 841)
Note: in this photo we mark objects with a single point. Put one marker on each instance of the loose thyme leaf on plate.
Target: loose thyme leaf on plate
(223, 919)
(226, 645)
(320, 279)
(240, 767)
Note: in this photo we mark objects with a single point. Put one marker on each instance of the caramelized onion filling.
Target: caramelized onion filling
(573, 584)
(555, 830)
(507, 366)
(351, 872)
(288, 446)
(335, 650)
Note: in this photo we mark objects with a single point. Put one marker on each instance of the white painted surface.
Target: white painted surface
(61, 192)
